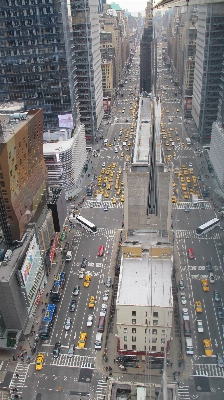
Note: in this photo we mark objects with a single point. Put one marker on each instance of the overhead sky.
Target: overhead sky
(132, 6)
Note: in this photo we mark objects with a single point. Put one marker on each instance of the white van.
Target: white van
(68, 256)
(189, 346)
(98, 341)
(105, 141)
(173, 144)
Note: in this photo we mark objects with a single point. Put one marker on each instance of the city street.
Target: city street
(77, 376)
(207, 248)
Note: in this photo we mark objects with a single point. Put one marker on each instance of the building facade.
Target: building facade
(85, 27)
(146, 52)
(23, 172)
(144, 322)
(36, 58)
(208, 66)
(65, 160)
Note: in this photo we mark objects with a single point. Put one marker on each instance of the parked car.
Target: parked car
(89, 320)
(105, 295)
(200, 327)
(211, 278)
(185, 314)
(183, 299)
(108, 282)
(181, 284)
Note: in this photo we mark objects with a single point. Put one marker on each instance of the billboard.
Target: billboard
(29, 260)
(65, 121)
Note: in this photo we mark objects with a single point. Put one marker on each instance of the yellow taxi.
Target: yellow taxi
(107, 172)
(205, 286)
(105, 179)
(113, 165)
(122, 154)
(114, 200)
(207, 347)
(103, 171)
(183, 144)
(174, 154)
(178, 110)
(186, 196)
(188, 180)
(182, 180)
(167, 111)
(185, 172)
(106, 195)
(122, 198)
(167, 144)
(178, 139)
(108, 186)
(112, 173)
(183, 166)
(184, 187)
(191, 191)
(82, 340)
(87, 281)
(174, 199)
(198, 306)
(176, 171)
(117, 176)
(191, 171)
(99, 183)
(92, 301)
(39, 361)
(102, 191)
(118, 191)
(96, 192)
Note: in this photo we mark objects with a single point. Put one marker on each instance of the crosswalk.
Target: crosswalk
(189, 234)
(211, 370)
(109, 203)
(22, 370)
(74, 361)
(90, 265)
(101, 390)
(107, 232)
(183, 392)
(189, 204)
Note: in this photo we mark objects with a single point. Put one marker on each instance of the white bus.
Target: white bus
(208, 226)
(89, 226)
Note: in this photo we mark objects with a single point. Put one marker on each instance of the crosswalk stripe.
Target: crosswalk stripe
(211, 370)
(190, 234)
(75, 361)
(189, 204)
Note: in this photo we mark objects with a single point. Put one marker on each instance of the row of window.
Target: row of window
(154, 339)
(147, 330)
(147, 322)
(155, 314)
(151, 348)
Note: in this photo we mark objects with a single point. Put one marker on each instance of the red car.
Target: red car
(101, 251)
(190, 253)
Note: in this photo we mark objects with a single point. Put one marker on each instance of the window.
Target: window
(133, 330)
(147, 330)
(154, 331)
(154, 340)
(133, 347)
(10, 173)
(146, 314)
(163, 340)
(144, 347)
(162, 349)
(125, 330)
(9, 154)
(155, 322)
(155, 314)
(133, 313)
(163, 331)
(134, 321)
(146, 321)
(153, 348)
(133, 338)
(125, 338)
(125, 346)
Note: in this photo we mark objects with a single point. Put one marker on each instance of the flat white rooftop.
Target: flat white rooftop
(59, 147)
(145, 282)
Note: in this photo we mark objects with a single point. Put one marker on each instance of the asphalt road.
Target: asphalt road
(207, 376)
(77, 376)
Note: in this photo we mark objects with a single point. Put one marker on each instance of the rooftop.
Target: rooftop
(143, 132)
(12, 123)
(58, 147)
(145, 282)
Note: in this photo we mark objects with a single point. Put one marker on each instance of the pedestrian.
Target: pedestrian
(17, 375)
(45, 303)
(47, 294)
(15, 389)
(161, 371)
(171, 364)
(114, 361)
(37, 322)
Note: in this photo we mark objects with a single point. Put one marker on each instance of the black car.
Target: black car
(84, 263)
(76, 290)
(216, 295)
(219, 311)
(56, 351)
(209, 266)
(72, 305)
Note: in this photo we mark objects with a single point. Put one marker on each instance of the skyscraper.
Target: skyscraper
(86, 37)
(146, 52)
(208, 66)
(37, 58)
(23, 173)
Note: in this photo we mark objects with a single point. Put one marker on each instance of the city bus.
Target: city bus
(89, 226)
(208, 226)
